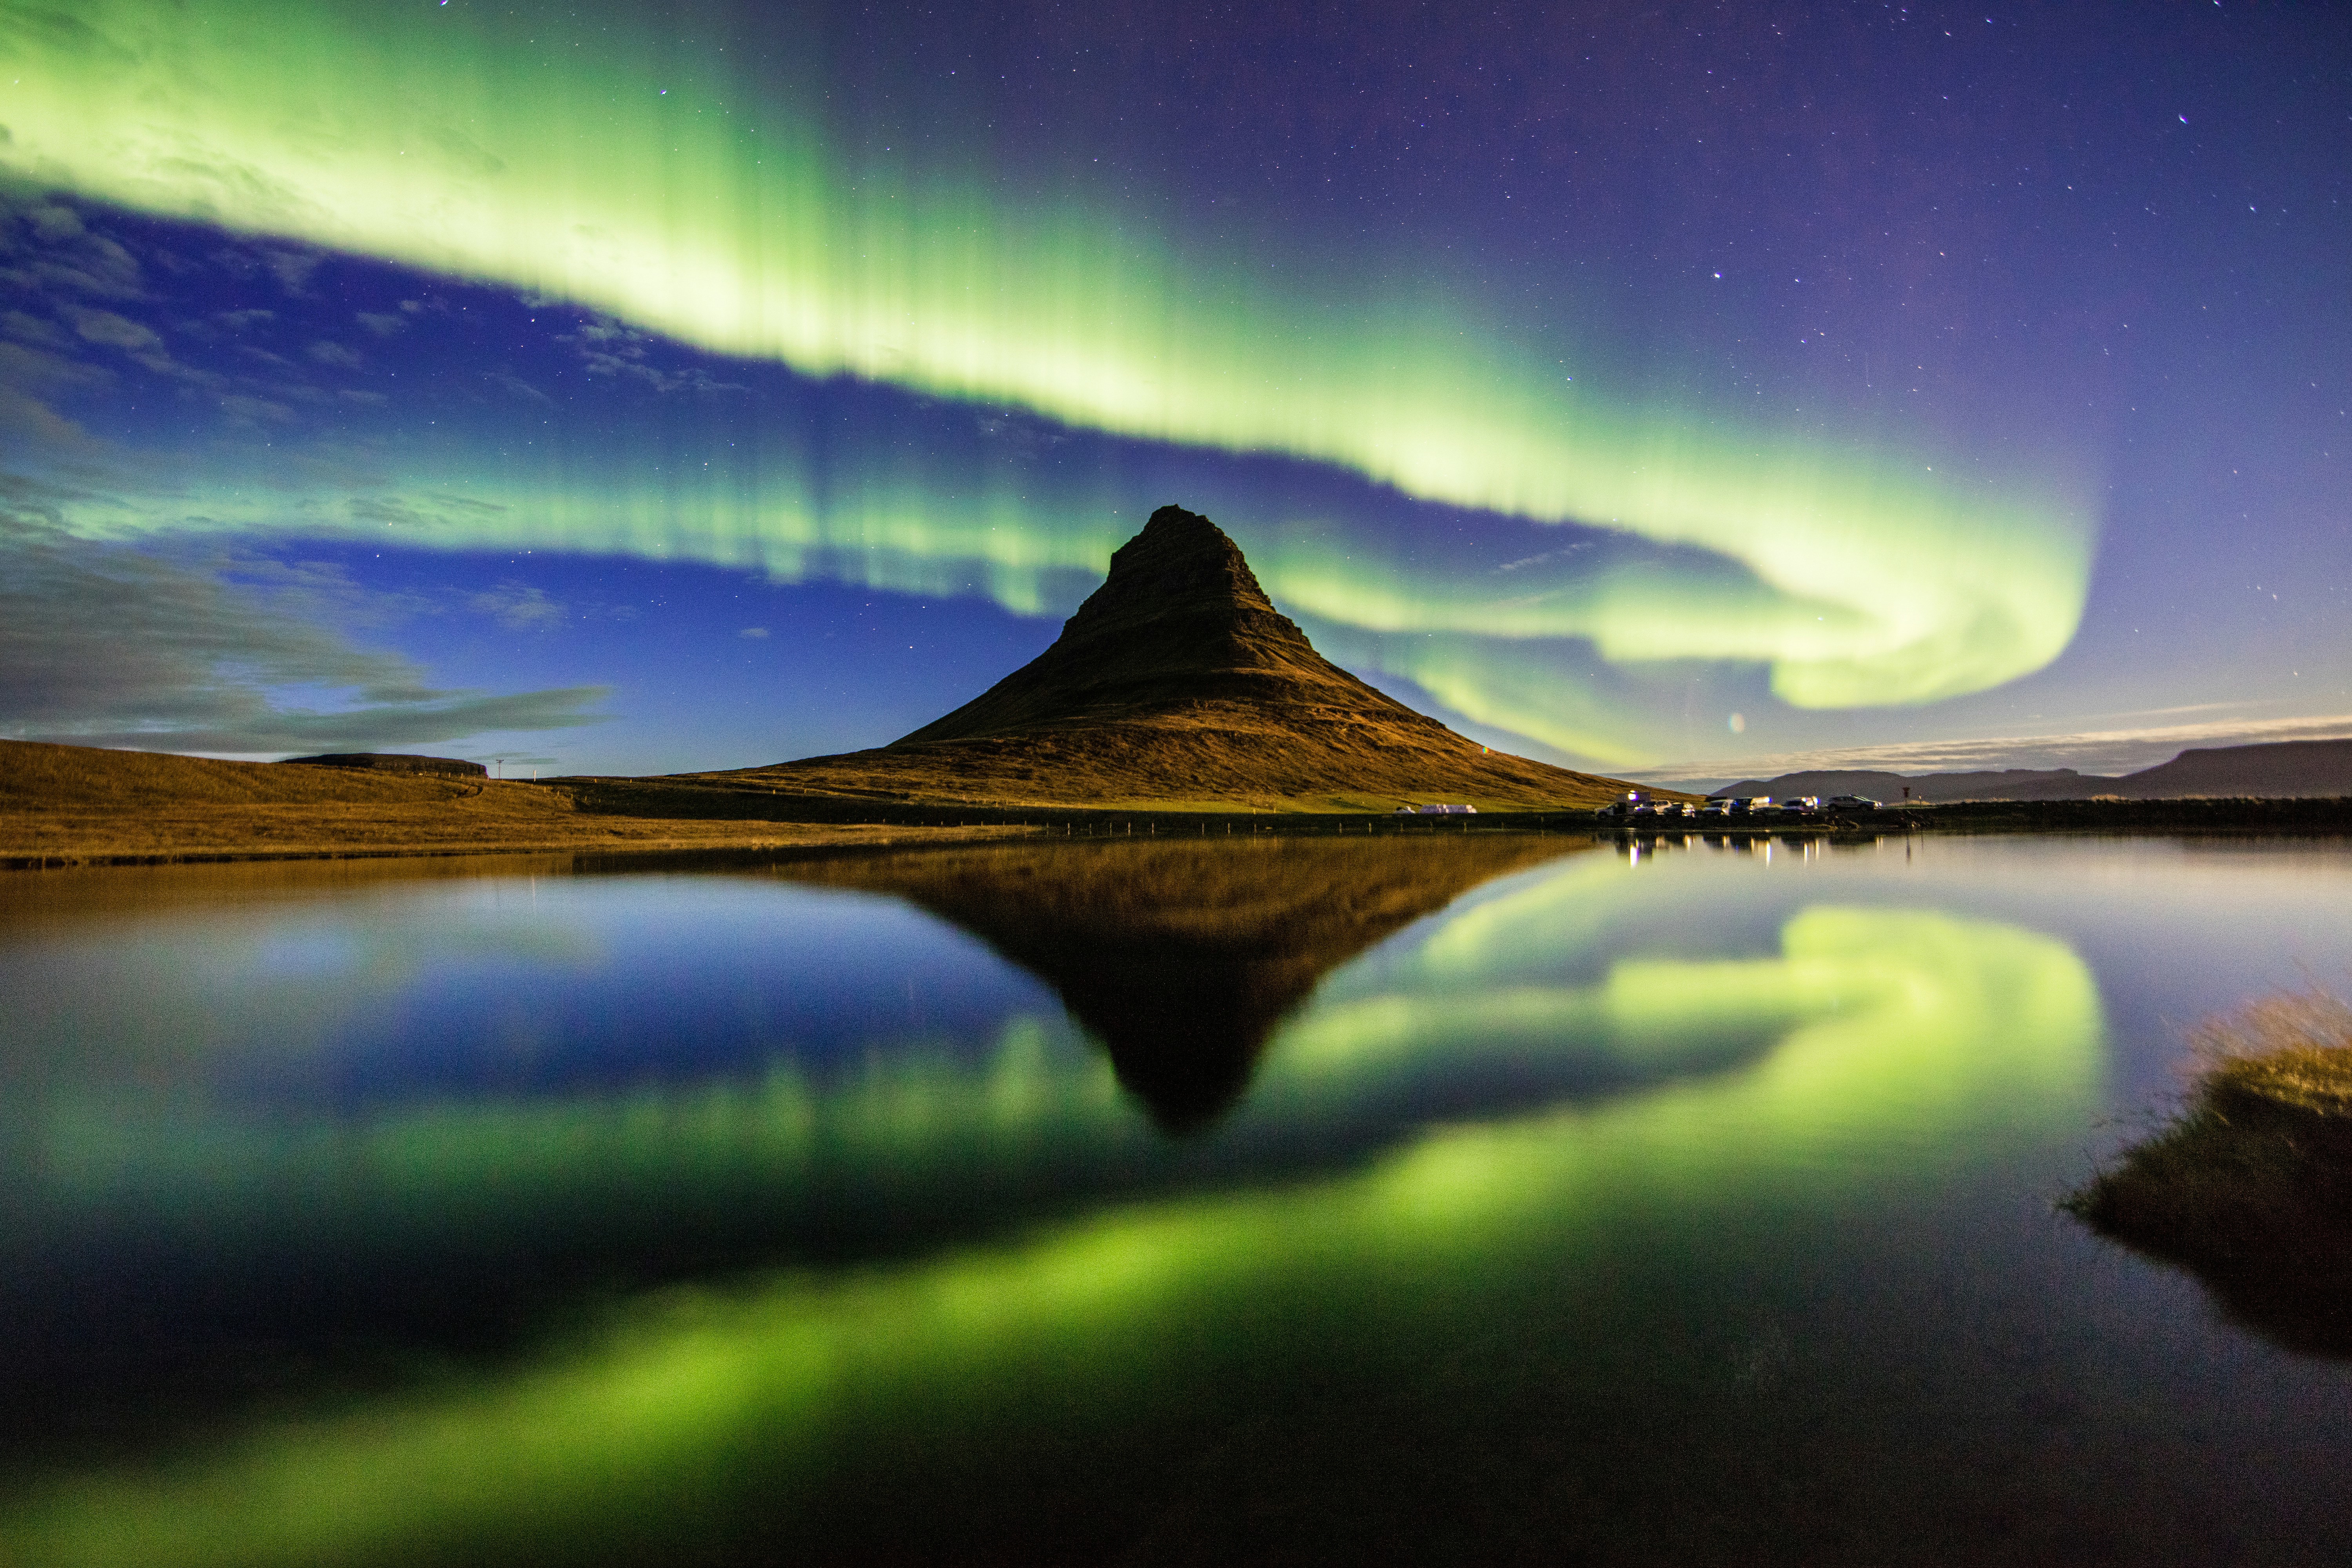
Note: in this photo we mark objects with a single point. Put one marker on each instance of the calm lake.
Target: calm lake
(1465, 1197)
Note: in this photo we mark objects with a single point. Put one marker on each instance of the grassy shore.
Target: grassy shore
(2250, 1187)
(68, 805)
(71, 805)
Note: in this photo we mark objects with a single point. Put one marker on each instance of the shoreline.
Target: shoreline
(228, 835)
(64, 806)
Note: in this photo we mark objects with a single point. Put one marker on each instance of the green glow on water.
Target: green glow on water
(622, 172)
(1906, 1042)
(914, 1127)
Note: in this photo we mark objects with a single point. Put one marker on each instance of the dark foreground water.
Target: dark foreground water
(1475, 1198)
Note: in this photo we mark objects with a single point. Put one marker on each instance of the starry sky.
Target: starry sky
(1686, 391)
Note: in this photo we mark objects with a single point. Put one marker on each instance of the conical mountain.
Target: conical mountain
(1178, 682)
(1179, 629)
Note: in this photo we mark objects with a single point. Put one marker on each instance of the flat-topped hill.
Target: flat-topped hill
(394, 762)
(1178, 683)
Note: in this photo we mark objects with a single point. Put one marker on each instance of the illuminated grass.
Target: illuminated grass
(69, 803)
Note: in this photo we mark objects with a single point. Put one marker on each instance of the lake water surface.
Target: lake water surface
(1470, 1198)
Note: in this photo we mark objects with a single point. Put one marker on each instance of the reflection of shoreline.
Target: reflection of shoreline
(1937, 1039)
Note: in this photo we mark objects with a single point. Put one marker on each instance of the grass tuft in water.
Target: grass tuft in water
(2250, 1187)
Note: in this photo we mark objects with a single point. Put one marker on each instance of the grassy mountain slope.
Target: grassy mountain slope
(1179, 684)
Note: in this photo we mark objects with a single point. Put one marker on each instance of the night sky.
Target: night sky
(1689, 391)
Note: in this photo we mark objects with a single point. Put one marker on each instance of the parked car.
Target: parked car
(1634, 803)
(1720, 807)
(1853, 803)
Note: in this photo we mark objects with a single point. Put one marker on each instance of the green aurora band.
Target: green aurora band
(624, 173)
(1947, 1038)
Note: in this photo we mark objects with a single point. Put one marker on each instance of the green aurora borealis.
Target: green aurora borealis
(688, 197)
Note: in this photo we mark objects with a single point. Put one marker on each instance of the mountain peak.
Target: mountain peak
(1181, 619)
(1181, 564)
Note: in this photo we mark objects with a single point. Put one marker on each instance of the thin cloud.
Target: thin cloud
(519, 607)
(26, 417)
(319, 592)
(46, 248)
(520, 388)
(378, 728)
(105, 645)
(29, 377)
(292, 268)
(115, 332)
(1526, 561)
(34, 329)
(37, 369)
(1021, 437)
(244, 409)
(608, 349)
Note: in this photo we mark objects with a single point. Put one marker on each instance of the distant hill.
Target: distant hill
(1178, 682)
(2283, 767)
(394, 762)
(2279, 769)
(2012, 784)
(38, 776)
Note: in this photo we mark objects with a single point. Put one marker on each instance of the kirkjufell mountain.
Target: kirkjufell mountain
(1178, 683)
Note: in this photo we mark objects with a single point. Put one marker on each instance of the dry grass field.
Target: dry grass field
(62, 805)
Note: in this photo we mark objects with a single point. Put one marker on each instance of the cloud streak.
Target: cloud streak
(105, 645)
(388, 727)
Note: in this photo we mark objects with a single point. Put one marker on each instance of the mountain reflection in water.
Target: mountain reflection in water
(1181, 958)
